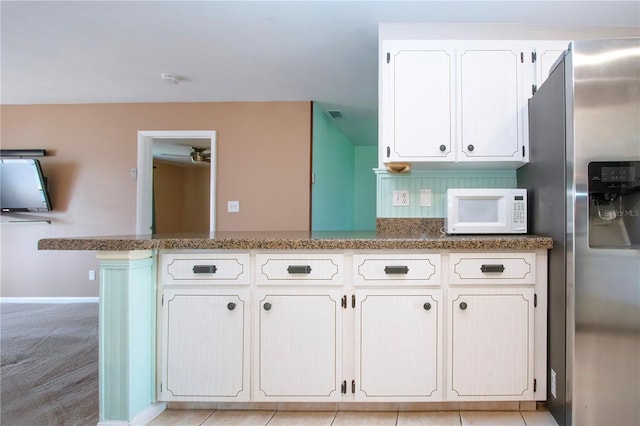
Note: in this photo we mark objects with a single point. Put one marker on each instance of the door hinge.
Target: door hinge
(535, 300)
(353, 301)
(344, 301)
(388, 57)
(353, 386)
(535, 385)
(534, 89)
(522, 57)
(534, 57)
(344, 387)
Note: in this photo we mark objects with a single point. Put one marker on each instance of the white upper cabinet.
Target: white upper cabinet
(418, 113)
(491, 103)
(462, 102)
(547, 53)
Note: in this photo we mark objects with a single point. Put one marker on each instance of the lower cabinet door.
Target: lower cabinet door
(490, 345)
(298, 346)
(205, 347)
(399, 345)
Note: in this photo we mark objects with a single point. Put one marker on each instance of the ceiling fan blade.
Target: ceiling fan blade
(174, 155)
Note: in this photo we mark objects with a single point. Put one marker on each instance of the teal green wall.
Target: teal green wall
(438, 181)
(366, 160)
(343, 195)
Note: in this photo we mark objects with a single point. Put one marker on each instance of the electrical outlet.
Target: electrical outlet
(425, 198)
(233, 206)
(400, 198)
(92, 275)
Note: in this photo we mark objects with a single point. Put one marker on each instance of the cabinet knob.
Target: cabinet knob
(443, 148)
(231, 306)
(463, 305)
(470, 147)
(267, 306)
(427, 306)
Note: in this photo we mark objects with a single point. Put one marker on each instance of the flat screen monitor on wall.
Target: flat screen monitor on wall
(22, 186)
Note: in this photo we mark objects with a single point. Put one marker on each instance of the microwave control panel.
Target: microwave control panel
(519, 210)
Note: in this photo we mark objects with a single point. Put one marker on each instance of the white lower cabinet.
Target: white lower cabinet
(205, 349)
(490, 344)
(364, 326)
(398, 345)
(298, 345)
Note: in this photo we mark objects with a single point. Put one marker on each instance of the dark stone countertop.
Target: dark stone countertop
(300, 240)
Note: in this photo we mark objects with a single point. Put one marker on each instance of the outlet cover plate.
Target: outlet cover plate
(400, 198)
(233, 206)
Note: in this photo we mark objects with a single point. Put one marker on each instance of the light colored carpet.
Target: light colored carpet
(49, 369)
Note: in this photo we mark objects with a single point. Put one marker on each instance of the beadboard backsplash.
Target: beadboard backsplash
(438, 181)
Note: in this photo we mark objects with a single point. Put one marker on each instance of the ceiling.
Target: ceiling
(178, 151)
(322, 51)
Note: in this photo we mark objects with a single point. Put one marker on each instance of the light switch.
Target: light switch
(425, 198)
(233, 206)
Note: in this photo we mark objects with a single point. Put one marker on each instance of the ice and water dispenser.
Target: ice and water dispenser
(614, 204)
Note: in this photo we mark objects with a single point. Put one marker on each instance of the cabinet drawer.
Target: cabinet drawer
(492, 268)
(296, 268)
(205, 268)
(407, 269)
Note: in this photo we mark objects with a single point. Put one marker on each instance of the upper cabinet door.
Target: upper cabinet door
(491, 104)
(417, 109)
(463, 102)
(547, 53)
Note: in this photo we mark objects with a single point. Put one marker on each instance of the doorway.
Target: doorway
(172, 147)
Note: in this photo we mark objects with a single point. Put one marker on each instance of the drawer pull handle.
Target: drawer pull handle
(231, 306)
(492, 268)
(396, 270)
(204, 269)
(267, 306)
(427, 306)
(299, 269)
(463, 306)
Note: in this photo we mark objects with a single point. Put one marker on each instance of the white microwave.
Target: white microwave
(486, 211)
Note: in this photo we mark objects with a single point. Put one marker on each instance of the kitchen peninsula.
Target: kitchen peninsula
(343, 317)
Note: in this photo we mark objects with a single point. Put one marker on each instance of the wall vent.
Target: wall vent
(335, 113)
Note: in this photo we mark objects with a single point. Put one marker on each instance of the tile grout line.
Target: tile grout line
(524, 421)
(207, 418)
(335, 415)
(272, 416)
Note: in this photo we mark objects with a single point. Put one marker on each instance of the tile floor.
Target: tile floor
(188, 417)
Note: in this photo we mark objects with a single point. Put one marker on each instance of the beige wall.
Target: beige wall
(181, 196)
(263, 151)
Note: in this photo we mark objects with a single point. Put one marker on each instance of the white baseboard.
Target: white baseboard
(149, 413)
(143, 418)
(49, 299)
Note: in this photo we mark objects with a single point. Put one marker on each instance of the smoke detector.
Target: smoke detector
(170, 78)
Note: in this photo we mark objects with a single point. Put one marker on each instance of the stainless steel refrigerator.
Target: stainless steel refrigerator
(583, 184)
